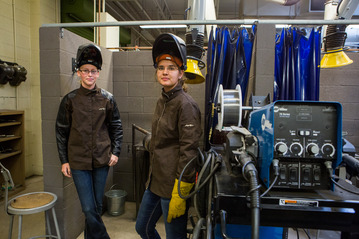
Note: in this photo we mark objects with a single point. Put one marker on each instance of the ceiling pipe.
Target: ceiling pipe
(205, 22)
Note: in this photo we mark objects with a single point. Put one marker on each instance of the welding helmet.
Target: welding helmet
(89, 54)
(170, 47)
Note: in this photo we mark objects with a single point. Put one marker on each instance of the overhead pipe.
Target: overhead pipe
(205, 22)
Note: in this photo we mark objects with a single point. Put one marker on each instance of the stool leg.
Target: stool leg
(11, 225)
(47, 225)
(20, 224)
(56, 224)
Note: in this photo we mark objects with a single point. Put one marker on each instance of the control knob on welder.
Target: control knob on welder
(281, 148)
(296, 148)
(312, 149)
(328, 150)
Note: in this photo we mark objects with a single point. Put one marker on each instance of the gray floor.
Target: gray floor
(118, 227)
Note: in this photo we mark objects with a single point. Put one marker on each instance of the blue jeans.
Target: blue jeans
(151, 209)
(90, 185)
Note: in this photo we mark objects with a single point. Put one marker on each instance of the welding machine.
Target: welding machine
(304, 137)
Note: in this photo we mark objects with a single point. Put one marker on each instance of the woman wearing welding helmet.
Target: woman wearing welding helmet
(89, 137)
(176, 131)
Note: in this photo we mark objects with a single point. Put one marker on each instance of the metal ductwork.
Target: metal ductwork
(335, 35)
(194, 42)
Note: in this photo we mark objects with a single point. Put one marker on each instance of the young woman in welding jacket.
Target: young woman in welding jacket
(176, 132)
(89, 137)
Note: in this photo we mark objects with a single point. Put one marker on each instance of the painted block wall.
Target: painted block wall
(341, 84)
(19, 42)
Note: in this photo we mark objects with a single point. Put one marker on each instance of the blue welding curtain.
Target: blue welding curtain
(228, 62)
(297, 60)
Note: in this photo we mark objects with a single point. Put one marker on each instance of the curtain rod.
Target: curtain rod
(207, 22)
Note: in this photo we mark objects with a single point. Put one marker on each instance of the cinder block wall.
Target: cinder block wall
(341, 84)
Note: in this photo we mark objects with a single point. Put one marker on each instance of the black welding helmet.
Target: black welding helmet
(172, 45)
(89, 54)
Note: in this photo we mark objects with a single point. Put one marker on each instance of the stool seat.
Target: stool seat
(31, 203)
(33, 200)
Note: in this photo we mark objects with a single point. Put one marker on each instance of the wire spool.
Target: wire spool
(229, 107)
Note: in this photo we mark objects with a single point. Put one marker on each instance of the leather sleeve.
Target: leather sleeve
(115, 126)
(63, 124)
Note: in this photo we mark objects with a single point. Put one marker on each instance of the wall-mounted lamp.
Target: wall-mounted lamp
(12, 73)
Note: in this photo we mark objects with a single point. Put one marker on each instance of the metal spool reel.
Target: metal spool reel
(229, 107)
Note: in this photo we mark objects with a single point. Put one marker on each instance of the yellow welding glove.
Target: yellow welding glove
(177, 205)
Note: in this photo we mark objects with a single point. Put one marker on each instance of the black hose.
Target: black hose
(200, 175)
(345, 189)
(254, 205)
(250, 174)
(214, 169)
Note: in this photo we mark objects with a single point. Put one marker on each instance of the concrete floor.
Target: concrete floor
(118, 227)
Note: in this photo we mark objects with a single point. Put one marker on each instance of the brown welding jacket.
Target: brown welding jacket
(88, 128)
(176, 131)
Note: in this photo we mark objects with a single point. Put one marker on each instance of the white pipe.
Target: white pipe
(206, 22)
(15, 52)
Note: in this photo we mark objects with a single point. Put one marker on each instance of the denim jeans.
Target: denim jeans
(151, 209)
(90, 185)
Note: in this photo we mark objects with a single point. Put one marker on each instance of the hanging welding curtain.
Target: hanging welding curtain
(297, 60)
(228, 63)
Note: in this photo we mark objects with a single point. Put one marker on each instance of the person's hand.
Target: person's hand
(177, 206)
(113, 160)
(65, 169)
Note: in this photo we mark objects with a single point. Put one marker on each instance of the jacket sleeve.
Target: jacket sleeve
(115, 129)
(63, 124)
(190, 133)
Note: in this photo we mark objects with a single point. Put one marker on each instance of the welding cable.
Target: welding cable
(216, 166)
(270, 186)
(198, 228)
(250, 174)
(200, 175)
(275, 163)
(342, 187)
(328, 165)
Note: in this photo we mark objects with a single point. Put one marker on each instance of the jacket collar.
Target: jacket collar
(172, 93)
(85, 91)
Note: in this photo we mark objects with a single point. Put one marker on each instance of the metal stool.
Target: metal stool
(29, 203)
